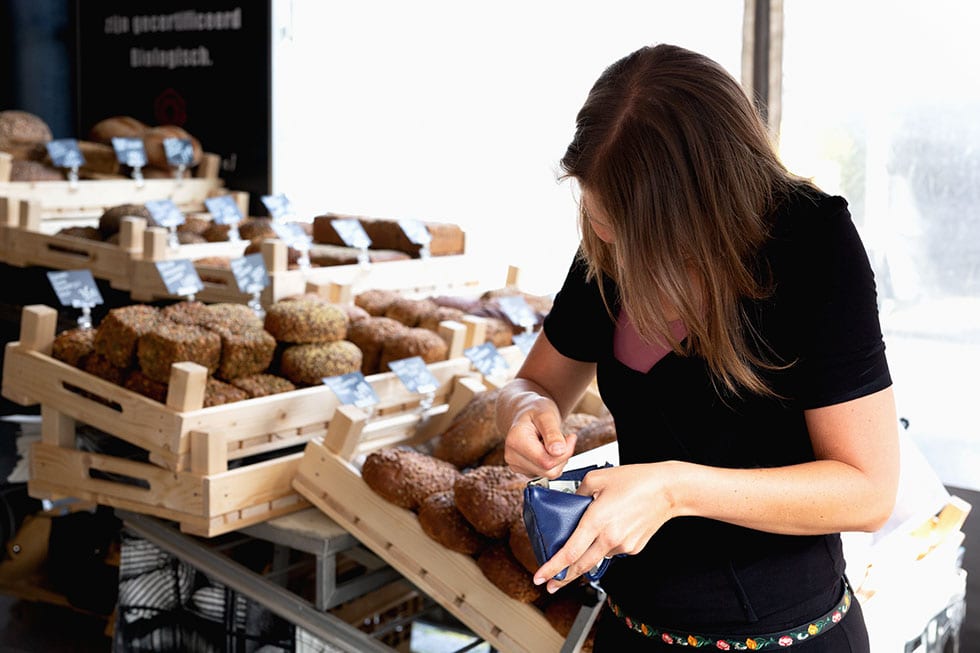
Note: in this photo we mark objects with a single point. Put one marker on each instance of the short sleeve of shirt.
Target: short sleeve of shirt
(578, 324)
(830, 284)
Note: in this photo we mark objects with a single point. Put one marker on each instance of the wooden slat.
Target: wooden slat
(394, 534)
(202, 505)
(90, 198)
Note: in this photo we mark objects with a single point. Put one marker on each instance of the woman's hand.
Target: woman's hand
(535, 445)
(630, 504)
(530, 409)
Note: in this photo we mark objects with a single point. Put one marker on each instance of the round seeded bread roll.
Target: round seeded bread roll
(305, 321)
(308, 364)
(406, 477)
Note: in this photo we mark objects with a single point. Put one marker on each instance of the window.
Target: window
(880, 104)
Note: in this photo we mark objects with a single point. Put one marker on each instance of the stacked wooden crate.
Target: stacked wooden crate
(32, 214)
(198, 467)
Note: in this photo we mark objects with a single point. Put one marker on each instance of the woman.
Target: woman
(728, 311)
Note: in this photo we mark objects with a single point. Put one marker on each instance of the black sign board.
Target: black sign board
(223, 209)
(486, 359)
(250, 273)
(203, 65)
(351, 232)
(64, 153)
(278, 206)
(180, 277)
(353, 389)
(292, 234)
(525, 340)
(179, 152)
(75, 288)
(518, 311)
(165, 213)
(129, 151)
(415, 231)
(413, 373)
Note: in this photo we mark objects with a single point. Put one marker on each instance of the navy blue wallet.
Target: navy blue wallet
(552, 510)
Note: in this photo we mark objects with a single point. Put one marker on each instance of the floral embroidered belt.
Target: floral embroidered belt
(772, 641)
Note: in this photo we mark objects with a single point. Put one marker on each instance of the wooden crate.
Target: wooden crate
(62, 200)
(189, 447)
(24, 241)
(461, 274)
(329, 478)
(181, 434)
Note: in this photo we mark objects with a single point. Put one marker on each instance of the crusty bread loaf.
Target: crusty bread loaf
(116, 126)
(429, 346)
(503, 570)
(473, 433)
(156, 155)
(491, 498)
(405, 477)
(441, 521)
(21, 133)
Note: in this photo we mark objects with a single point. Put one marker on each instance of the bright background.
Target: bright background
(459, 112)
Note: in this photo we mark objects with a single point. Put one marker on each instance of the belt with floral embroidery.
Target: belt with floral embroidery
(772, 641)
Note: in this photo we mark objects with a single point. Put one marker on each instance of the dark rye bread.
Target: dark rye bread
(405, 477)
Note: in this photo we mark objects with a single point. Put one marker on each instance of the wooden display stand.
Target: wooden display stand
(459, 274)
(188, 478)
(66, 201)
(128, 265)
(329, 479)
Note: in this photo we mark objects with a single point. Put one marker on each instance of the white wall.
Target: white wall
(459, 111)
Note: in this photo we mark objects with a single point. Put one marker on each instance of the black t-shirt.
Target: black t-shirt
(821, 317)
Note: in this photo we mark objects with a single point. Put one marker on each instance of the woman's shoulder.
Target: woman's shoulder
(809, 215)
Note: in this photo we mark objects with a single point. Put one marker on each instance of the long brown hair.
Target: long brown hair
(670, 149)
